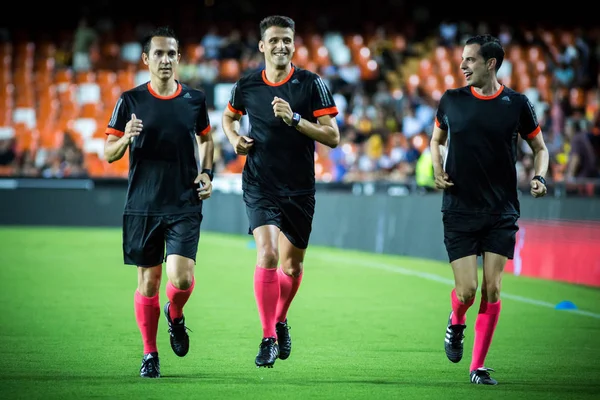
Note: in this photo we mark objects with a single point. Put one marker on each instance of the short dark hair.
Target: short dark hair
(278, 21)
(490, 48)
(162, 31)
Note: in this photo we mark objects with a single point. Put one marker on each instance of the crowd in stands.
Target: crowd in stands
(57, 96)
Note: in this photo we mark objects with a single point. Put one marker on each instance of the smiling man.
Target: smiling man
(480, 124)
(288, 109)
(165, 126)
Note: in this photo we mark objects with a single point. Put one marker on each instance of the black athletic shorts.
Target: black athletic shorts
(475, 234)
(293, 215)
(146, 237)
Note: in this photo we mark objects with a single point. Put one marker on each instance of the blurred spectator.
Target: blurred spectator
(448, 31)
(8, 156)
(232, 46)
(212, 43)
(84, 39)
(582, 160)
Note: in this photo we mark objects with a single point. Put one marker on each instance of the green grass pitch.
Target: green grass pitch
(364, 326)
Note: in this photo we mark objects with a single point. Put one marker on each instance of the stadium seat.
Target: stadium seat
(126, 78)
(321, 56)
(301, 56)
(229, 70)
(95, 166)
(425, 69)
(82, 77)
(193, 53)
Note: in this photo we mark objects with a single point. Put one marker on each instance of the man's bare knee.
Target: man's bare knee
(490, 290)
(292, 267)
(465, 277)
(292, 257)
(180, 271)
(268, 256)
(149, 280)
(493, 267)
(466, 293)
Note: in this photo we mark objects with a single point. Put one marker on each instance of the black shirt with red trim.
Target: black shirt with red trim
(164, 158)
(282, 160)
(482, 148)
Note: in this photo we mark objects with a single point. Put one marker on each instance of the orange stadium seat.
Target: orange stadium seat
(26, 139)
(369, 70)
(321, 56)
(534, 54)
(314, 42)
(301, 56)
(94, 165)
(90, 110)
(412, 84)
(193, 53)
(5, 68)
(85, 77)
(126, 79)
(229, 70)
(457, 55)
(5, 116)
(120, 168)
(445, 67)
(236, 166)
(425, 68)
(63, 76)
(441, 54)
(515, 53)
(106, 77)
(50, 138)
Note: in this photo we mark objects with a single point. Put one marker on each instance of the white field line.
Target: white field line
(437, 278)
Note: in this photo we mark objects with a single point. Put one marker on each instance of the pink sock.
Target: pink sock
(484, 331)
(178, 298)
(459, 309)
(266, 292)
(288, 287)
(147, 312)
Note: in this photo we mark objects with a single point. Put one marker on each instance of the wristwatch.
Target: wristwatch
(208, 172)
(296, 119)
(539, 178)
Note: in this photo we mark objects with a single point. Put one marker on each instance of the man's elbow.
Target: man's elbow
(109, 157)
(334, 141)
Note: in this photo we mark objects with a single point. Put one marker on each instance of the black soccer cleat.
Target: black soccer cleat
(284, 340)
(481, 376)
(454, 341)
(267, 353)
(150, 366)
(180, 341)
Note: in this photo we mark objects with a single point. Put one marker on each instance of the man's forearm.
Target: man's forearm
(207, 154)
(324, 134)
(114, 151)
(540, 162)
(231, 128)
(436, 156)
